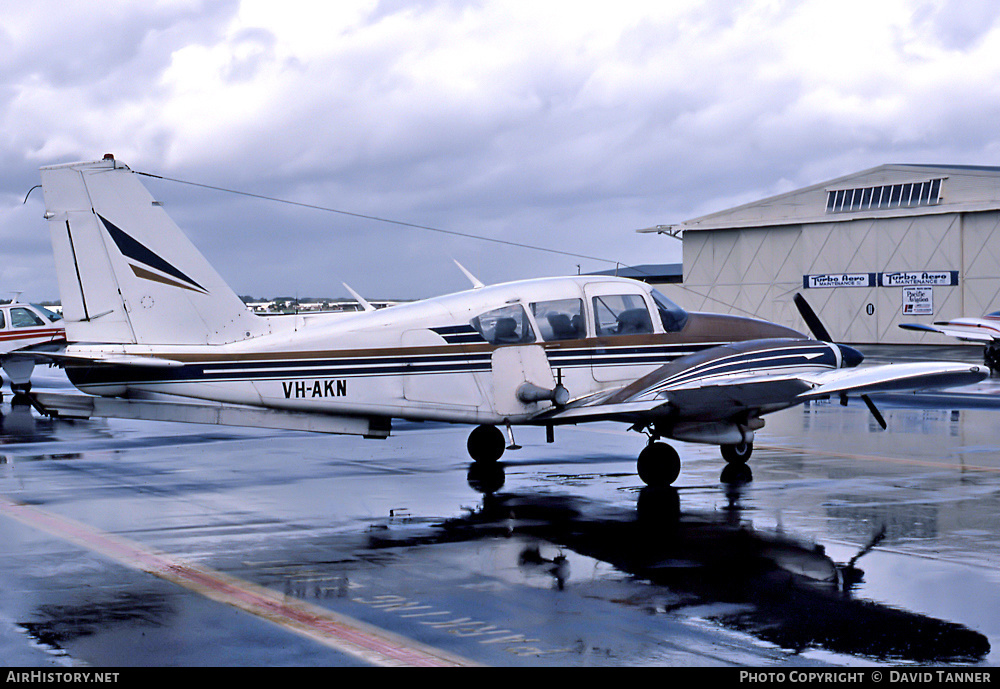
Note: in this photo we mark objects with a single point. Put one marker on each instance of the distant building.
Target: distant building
(285, 306)
(893, 244)
(653, 273)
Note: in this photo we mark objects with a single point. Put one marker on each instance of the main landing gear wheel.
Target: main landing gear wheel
(658, 465)
(737, 454)
(486, 444)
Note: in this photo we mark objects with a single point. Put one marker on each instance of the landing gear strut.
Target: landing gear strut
(20, 389)
(18, 370)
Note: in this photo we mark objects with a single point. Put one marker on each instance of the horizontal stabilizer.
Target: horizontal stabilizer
(117, 359)
(46, 354)
(85, 407)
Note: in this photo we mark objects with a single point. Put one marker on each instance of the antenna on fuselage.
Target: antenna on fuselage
(476, 283)
(365, 305)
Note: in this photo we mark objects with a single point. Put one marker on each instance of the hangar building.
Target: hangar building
(893, 244)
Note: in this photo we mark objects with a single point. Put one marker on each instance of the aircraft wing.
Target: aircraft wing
(704, 400)
(969, 330)
(725, 386)
(893, 378)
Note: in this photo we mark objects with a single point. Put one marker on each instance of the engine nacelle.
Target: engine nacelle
(715, 433)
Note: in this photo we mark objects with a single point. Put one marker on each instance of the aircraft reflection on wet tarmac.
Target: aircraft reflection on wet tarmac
(787, 591)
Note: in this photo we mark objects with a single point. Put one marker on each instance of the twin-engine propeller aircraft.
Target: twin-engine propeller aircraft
(148, 319)
(985, 330)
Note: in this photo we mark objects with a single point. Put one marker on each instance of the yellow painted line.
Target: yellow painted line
(350, 636)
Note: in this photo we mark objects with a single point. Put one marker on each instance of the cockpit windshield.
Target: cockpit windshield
(672, 316)
(51, 315)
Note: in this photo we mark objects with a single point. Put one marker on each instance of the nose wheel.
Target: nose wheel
(658, 464)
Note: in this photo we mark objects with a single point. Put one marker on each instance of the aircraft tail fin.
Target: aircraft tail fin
(127, 274)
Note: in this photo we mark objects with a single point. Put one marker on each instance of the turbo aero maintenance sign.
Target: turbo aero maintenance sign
(838, 280)
(927, 278)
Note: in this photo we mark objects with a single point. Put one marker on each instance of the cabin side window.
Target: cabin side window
(559, 319)
(24, 318)
(3, 320)
(506, 325)
(621, 314)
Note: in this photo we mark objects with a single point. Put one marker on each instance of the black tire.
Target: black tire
(486, 444)
(737, 454)
(658, 465)
(991, 357)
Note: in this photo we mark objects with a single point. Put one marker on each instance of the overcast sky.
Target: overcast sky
(563, 125)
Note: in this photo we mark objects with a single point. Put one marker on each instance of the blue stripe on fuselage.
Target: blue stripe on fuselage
(375, 365)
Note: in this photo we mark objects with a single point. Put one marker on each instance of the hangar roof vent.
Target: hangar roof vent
(926, 193)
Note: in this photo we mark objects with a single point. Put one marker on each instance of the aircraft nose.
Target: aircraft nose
(849, 356)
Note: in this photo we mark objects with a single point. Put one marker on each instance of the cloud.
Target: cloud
(567, 125)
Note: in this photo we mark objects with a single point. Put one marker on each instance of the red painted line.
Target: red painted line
(343, 633)
(13, 335)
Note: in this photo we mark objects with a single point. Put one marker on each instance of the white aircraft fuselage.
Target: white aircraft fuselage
(426, 360)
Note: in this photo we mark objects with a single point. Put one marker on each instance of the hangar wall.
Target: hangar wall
(914, 265)
(744, 272)
(981, 259)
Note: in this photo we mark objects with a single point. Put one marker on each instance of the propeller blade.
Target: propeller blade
(875, 412)
(813, 322)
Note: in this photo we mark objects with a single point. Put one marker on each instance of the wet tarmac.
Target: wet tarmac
(132, 543)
